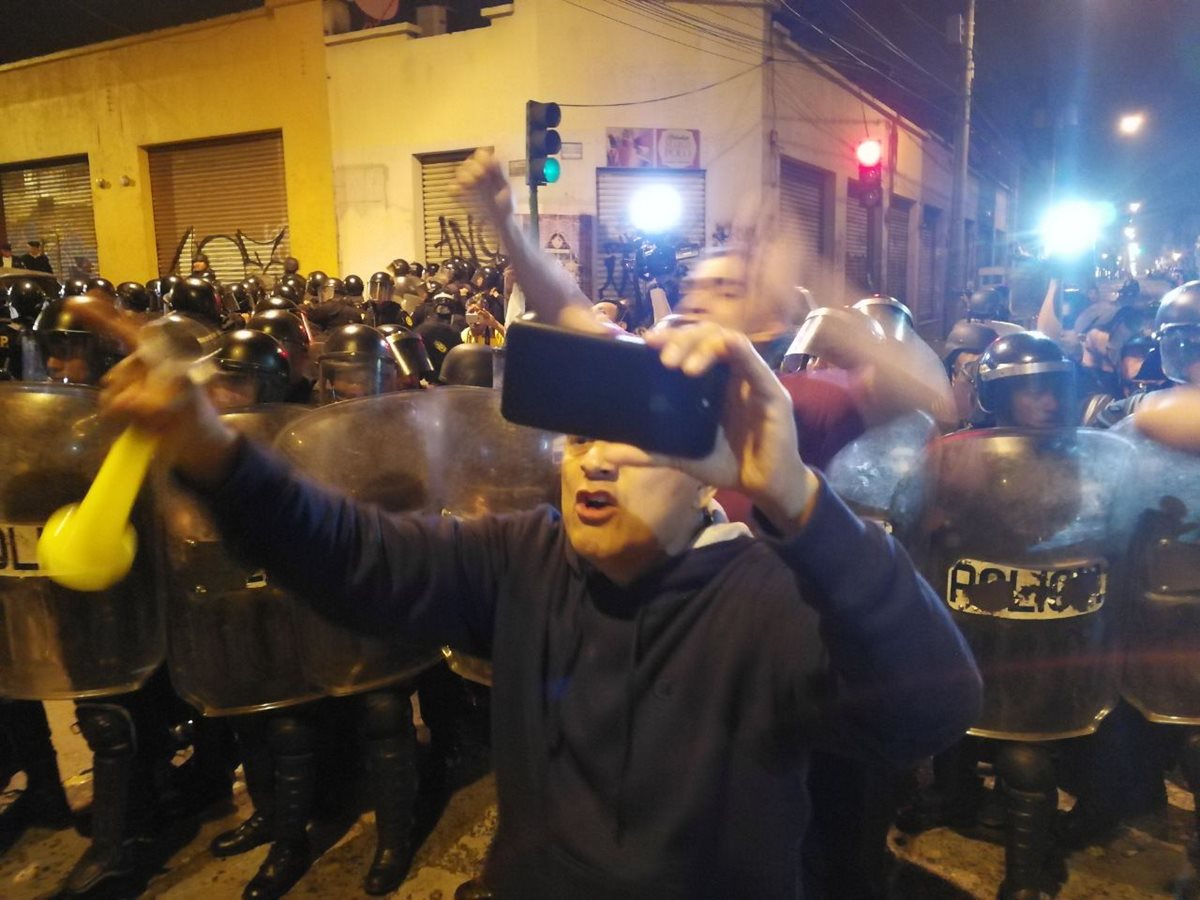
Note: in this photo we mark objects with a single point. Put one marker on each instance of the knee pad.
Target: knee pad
(107, 728)
(1026, 767)
(386, 714)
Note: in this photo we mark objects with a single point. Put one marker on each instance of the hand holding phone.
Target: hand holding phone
(609, 388)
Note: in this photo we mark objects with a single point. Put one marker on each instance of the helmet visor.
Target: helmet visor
(350, 379)
(1180, 348)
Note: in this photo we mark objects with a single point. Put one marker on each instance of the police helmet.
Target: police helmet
(255, 288)
(355, 361)
(486, 278)
(987, 304)
(284, 325)
(500, 262)
(26, 298)
(431, 269)
(354, 286)
(972, 337)
(315, 286)
(382, 286)
(892, 315)
(838, 336)
(468, 364)
(296, 283)
(335, 287)
(400, 268)
(281, 292)
(72, 350)
(291, 266)
(134, 296)
(1177, 326)
(103, 285)
(252, 354)
(236, 298)
(73, 287)
(196, 297)
(1019, 361)
(416, 270)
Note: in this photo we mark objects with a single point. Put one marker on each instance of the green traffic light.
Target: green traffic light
(551, 170)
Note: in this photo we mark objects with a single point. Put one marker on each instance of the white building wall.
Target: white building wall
(393, 98)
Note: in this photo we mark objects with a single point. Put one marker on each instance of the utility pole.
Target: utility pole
(956, 268)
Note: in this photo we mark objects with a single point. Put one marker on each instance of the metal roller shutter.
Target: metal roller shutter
(51, 202)
(452, 227)
(802, 207)
(897, 256)
(926, 311)
(856, 241)
(615, 188)
(230, 195)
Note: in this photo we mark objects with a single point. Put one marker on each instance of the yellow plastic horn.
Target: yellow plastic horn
(90, 545)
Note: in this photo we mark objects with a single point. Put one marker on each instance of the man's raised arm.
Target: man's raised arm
(547, 288)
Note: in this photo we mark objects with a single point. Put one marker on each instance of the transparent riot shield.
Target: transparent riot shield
(866, 472)
(1022, 535)
(1162, 657)
(442, 451)
(232, 641)
(56, 643)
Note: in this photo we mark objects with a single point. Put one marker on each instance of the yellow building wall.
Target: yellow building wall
(257, 71)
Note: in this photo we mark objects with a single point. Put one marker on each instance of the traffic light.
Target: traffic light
(542, 142)
(870, 172)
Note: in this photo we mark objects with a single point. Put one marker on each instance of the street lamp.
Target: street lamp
(1131, 123)
(1130, 232)
(1135, 208)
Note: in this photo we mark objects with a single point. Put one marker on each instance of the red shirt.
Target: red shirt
(827, 419)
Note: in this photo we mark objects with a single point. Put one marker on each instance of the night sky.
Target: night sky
(1052, 77)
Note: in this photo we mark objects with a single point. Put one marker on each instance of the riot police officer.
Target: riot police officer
(288, 328)
(337, 310)
(252, 368)
(1026, 381)
(964, 346)
(72, 352)
(416, 369)
(197, 299)
(314, 288)
(354, 288)
(25, 300)
(355, 362)
(134, 296)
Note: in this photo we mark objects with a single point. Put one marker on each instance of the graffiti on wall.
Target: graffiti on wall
(469, 244)
(254, 257)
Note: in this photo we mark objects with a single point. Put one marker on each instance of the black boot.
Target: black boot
(43, 803)
(1030, 797)
(259, 769)
(291, 740)
(108, 730)
(391, 760)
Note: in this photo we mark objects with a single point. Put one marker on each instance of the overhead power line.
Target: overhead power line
(676, 96)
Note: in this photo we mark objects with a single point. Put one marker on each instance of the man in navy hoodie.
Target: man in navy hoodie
(659, 680)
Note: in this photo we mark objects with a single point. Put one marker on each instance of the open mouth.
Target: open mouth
(595, 507)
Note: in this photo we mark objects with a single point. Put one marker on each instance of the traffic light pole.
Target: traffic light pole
(533, 215)
(956, 269)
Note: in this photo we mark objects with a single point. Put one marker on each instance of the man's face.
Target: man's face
(67, 360)
(1036, 405)
(35, 251)
(716, 292)
(624, 520)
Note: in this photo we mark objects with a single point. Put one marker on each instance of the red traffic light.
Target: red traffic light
(869, 153)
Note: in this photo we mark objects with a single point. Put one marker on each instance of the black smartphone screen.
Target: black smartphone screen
(609, 388)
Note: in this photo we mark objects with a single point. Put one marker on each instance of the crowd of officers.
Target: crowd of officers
(311, 340)
(1088, 360)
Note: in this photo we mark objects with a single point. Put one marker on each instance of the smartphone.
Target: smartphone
(609, 388)
(473, 318)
